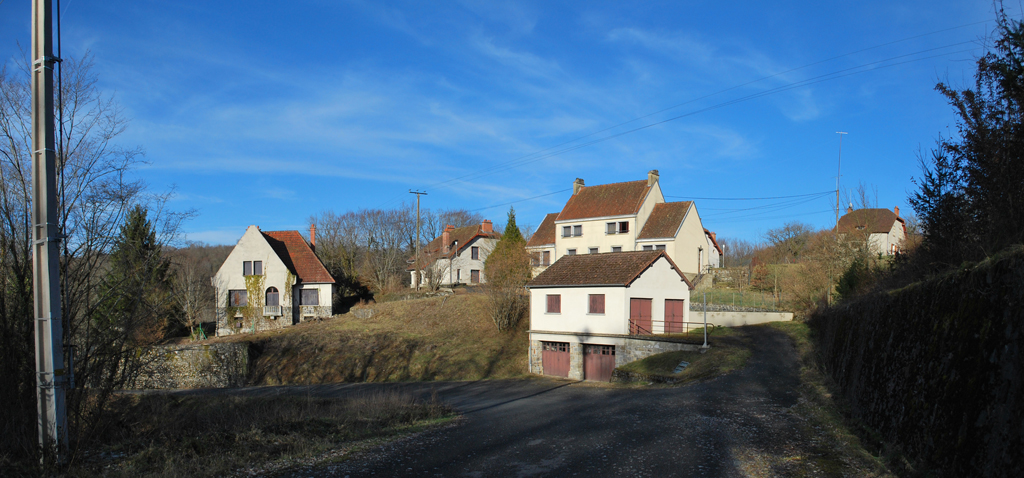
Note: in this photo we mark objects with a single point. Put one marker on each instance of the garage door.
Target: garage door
(554, 357)
(598, 362)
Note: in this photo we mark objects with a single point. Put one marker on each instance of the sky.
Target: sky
(269, 112)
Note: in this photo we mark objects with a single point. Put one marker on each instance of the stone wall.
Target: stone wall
(636, 349)
(536, 363)
(937, 368)
(194, 366)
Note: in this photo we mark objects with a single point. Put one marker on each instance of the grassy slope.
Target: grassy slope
(728, 353)
(422, 339)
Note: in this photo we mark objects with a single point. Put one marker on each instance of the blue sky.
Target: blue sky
(267, 112)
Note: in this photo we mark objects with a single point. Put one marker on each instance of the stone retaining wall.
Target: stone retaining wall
(194, 366)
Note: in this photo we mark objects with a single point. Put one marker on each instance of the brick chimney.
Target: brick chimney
(312, 237)
(487, 227)
(446, 238)
(897, 211)
(576, 186)
(652, 177)
(849, 209)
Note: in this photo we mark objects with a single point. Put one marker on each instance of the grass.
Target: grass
(168, 435)
(729, 352)
(739, 298)
(437, 338)
(839, 448)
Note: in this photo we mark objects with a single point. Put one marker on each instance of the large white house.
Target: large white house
(620, 217)
(884, 230)
(589, 312)
(457, 256)
(270, 280)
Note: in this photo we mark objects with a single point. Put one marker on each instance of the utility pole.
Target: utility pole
(839, 170)
(51, 379)
(416, 263)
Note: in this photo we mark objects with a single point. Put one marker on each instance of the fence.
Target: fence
(736, 300)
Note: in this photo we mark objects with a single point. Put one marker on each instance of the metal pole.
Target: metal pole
(49, 332)
(839, 170)
(416, 263)
(705, 320)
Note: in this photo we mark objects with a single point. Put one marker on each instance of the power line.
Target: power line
(751, 199)
(522, 200)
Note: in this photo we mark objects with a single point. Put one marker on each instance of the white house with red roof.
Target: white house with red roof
(621, 217)
(457, 256)
(270, 280)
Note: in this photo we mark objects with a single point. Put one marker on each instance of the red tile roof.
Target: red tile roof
(714, 240)
(875, 221)
(298, 257)
(664, 220)
(610, 268)
(616, 199)
(464, 235)
(545, 234)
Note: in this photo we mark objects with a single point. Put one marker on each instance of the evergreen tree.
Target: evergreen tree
(508, 270)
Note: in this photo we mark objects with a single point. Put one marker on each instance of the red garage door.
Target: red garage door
(598, 362)
(554, 357)
(640, 316)
(674, 316)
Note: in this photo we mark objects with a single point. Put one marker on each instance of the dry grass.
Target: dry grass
(170, 436)
(729, 352)
(437, 338)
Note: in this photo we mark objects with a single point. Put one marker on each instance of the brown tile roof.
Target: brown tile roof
(545, 234)
(610, 268)
(664, 220)
(873, 220)
(616, 199)
(297, 256)
(464, 235)
(714, 240)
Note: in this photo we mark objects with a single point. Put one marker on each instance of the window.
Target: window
(309, 297)
(616, 248)
(610, 228)
(572, 231)
(272, 296)
(648, 248)
(474, 253)
(566, 231)
(547, 258)
(257, 268)
(554, 304)
(474, 276)
(246, 268)
(623, 227)
(593, 250)
(596, 304)
(238, 298)
(458, 274)
(659, 247)
(570, 252)
(534, 259)
(577, 230)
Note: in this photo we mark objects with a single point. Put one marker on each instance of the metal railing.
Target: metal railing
(665, 328)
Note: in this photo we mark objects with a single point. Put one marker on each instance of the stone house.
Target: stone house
(456, 256)
(884, 230)
(621, 217)
(270, 280)
(590, 313)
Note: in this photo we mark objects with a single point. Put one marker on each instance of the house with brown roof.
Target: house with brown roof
(884, 230)
(590, 313)
(455, 257)
(619, 217)
(270, 280)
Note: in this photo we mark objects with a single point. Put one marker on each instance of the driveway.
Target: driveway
(735, 425)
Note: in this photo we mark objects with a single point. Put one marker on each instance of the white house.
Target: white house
(270, 280)
(715, 252)
(456, 256)
(592, 312)
(618, 217)
(884, 230)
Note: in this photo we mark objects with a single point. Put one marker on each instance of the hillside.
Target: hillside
(423, 339)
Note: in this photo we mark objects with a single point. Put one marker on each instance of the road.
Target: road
(735, 425)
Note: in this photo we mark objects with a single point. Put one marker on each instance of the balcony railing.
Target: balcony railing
(271, 310)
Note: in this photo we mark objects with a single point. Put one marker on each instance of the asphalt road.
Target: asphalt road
(735, 425)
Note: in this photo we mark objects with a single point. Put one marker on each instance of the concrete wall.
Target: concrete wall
(736, 319)
(194, 366)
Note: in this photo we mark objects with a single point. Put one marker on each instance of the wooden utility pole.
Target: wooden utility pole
(416, 263)
(839, 171)
(51, 379)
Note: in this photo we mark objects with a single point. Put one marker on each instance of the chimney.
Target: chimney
(446, 238)
(714, 238)
(486, 227)
(897, 210)
(576, 186)
(652, 177)
(849, 209)
(312, 237)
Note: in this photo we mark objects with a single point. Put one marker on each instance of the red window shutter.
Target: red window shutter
(596, 303)
(554, 304)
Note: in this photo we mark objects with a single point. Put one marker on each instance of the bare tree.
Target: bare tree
(192, 292)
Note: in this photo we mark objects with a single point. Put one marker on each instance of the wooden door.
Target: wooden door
(554, 358)
(598, 362)
(674, 316)
(640, 316)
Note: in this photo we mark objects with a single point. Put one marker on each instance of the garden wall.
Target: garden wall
(937, 368)
(194, 366)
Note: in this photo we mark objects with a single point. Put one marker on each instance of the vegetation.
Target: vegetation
(172, 435)
(729, 352)
(508, 270)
